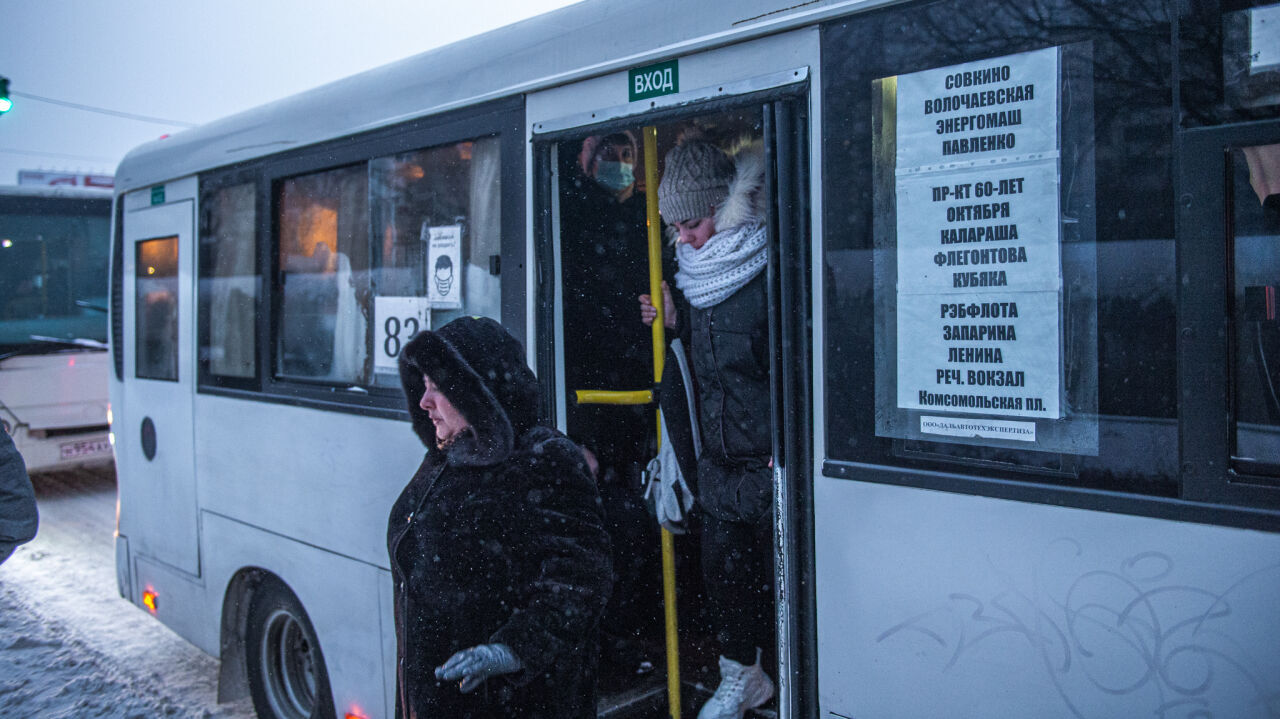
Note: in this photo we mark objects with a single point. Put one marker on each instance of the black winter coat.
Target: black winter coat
(497, 539)
(18, 515)
(729, 349)
(730, 354)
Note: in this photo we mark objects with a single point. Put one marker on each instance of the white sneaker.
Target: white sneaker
(741, 688)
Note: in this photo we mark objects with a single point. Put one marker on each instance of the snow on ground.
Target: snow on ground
(69, 645)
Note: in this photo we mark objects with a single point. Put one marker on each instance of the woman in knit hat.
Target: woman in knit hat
(714, 203)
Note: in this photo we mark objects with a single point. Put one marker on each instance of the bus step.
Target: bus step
(650, 702)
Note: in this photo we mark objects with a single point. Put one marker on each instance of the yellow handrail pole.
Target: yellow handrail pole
(607, 396)
(654, 223)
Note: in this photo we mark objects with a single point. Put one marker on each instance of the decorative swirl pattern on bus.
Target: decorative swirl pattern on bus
(1129, 633)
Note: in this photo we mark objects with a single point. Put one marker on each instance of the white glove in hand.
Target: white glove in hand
(477, 664)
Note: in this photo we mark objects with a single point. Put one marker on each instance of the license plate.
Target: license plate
(84, 448)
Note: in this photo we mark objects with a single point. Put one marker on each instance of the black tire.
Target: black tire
(287, 676)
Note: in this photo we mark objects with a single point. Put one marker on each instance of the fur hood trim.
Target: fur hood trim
(746, 201)
(481, 370)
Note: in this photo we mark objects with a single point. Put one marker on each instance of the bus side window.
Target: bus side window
(436, 225)
(1255, 230)
(948, 348)
(156, 307)
(323, 246)
(370, 254)
(229, 282)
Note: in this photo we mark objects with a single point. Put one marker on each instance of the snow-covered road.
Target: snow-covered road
(69, 645)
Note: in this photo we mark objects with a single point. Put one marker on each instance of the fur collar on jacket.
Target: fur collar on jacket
(481, 369)
(746, 201)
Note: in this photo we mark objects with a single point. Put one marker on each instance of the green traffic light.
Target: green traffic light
(5, 103)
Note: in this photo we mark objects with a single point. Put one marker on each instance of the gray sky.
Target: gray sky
(195, 62)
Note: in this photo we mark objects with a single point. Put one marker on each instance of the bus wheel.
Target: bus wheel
(287, 678)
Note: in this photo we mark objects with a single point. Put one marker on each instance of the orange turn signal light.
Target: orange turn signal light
(149, 600)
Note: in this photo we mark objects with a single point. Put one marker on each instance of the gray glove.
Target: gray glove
(477, 664)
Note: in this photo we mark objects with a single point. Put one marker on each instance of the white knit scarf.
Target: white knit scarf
(729, 260)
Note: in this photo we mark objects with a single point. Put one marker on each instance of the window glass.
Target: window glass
(156, 308)
(229, 281)
(1255, 230)
(53, 271)
(324, 251)
(1066, 113)
(372, 253)
(436, 243)
(1229, 64)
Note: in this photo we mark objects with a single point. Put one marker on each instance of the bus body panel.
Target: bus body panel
(158, 494)
(1005, 608)
(56, 408)
(183, 603)
(714, 74)
(61, 391)
(338, 491)
(341, 596)
(580, 41)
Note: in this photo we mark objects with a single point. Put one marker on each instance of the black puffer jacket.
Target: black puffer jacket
(497, 539)
(730, 354)
(729, 347)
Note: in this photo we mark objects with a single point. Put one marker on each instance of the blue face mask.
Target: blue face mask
(616, 176)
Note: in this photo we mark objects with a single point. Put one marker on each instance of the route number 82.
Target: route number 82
(393, 325)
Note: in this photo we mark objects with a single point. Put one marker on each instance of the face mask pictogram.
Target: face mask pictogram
(443, 275)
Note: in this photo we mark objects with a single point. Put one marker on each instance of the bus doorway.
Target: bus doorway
(722, 166)
(158, 444)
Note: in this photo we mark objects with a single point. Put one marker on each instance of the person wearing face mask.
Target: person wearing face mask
(611, 161)
(604, 251)
(714, 203)
(499, 557)
(605, 256)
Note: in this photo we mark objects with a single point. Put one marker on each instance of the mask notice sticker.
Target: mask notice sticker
(444, 265)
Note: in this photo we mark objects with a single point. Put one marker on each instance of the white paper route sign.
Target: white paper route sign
(978, 225)
(1000, 110)
(963, 231)
(995, 357)
(396, 321)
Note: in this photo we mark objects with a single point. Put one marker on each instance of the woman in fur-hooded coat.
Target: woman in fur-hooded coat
(497, 540)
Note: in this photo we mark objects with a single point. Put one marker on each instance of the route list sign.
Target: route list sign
(979, 269)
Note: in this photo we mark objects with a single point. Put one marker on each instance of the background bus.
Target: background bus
(1029, 482)
(54, 255)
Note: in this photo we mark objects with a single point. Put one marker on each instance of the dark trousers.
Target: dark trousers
(738, 575)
